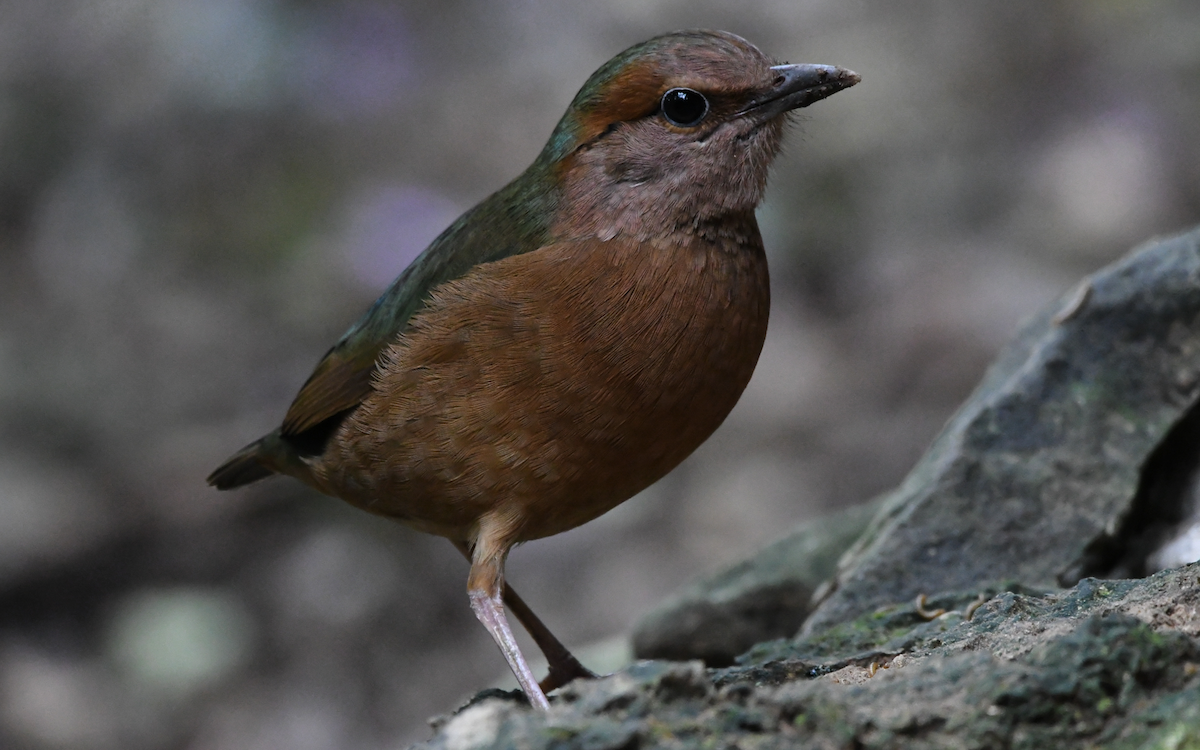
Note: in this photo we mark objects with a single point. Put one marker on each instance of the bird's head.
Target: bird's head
(677, 129)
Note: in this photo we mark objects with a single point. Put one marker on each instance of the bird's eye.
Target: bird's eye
(684, 108)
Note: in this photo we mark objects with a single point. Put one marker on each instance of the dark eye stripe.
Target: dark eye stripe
(684, 108)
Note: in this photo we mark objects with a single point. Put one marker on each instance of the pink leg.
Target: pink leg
(490, 612)
(564, 667)
(485, 586)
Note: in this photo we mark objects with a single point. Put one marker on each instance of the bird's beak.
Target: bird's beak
(796, 86)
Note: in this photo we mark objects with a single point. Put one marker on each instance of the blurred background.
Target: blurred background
(198, 197)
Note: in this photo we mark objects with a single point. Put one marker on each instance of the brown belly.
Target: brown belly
(550, 387)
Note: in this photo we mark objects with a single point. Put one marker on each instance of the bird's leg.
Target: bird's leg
(484, 586)
(490, 611)
(564, 667)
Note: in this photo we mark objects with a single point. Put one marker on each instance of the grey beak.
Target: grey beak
(798, 86)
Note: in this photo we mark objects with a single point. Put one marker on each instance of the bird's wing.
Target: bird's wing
(510, 222)
(342, 379)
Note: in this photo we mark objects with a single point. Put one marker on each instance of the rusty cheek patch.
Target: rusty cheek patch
(632, 94)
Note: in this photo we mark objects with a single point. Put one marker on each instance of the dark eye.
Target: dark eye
(684, 107)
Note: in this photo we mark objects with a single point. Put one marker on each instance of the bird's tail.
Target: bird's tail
(256, 461)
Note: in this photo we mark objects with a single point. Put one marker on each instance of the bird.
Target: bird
(573, 337)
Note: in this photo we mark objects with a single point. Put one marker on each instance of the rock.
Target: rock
(1035, 478)
(1107, 662)
(1078, 669)
(766, 596)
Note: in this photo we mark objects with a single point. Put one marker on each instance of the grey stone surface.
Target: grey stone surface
(1035, 478)
(1107, 663)
(765, 596)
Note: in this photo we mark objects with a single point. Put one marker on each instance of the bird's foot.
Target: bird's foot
(565, 670)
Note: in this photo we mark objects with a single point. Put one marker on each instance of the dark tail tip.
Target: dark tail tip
(241, 469)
